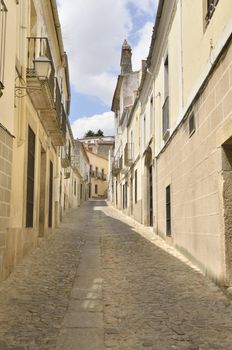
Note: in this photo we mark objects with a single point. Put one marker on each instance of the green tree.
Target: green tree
(100, 133)
(89, 133)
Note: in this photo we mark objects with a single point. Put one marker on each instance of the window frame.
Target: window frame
(191, 123)
(136, 185)
(168, 211)
(30, 194)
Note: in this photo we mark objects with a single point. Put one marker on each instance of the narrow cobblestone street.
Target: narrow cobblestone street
(97, 283)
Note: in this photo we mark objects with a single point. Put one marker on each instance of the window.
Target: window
(168, 211)
(136, 184)
(3, 15)
(125, 192)
(116, 192)
(103, 175)
(166, 99)
(210, 8)
(144, 131)
(124, 195)
(75, 188)
(151, 114)
(50, 195)
(69, 150)
(96, 189)
(191, 122)
(30, 177)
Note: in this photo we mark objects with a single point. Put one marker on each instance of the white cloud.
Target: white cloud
(104, 121)
(142, 48)
(146, 6)
(93, 33)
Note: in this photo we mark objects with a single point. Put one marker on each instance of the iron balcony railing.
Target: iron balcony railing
(165, 116)
(63, 124)
(47, 97)
(129, 153)
(61, 115)
(116, 165)
(98, 175)
(65, 157)
(37, 47)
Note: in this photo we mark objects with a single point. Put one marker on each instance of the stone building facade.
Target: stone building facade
(179, 177)
(98, 175)
(100, 145)
(35, 133)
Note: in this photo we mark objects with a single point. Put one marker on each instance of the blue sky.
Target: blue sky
(93, 32)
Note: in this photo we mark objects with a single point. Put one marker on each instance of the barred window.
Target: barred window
(3, 15)
(168, 210)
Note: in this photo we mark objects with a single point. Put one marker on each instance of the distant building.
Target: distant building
(99, 145)
(98, 150)
(98, 173)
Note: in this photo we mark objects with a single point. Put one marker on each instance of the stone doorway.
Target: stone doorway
(42, 192)
(227, 206)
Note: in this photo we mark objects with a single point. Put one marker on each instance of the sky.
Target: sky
(93, 34)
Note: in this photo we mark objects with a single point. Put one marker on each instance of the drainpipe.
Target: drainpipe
(58, 29)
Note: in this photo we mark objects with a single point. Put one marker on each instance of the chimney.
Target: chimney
(126, 65)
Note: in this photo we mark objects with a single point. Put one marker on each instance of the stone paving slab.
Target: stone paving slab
(83, 319)
(86, 305)
(81, 339)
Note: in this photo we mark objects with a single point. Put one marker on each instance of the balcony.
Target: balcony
(98, 175)
(45, 93)
(86, 178)
(75, 162)
(104, 177)
(129, 154)
(65, 159)
(116, 166)
(166, 131)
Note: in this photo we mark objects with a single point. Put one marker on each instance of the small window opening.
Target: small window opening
(192, 124)
(168, 210)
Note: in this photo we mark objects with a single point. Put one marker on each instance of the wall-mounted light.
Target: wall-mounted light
(41, 72)
(43, 67)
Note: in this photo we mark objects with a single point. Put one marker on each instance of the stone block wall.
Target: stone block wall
(6, 145)
(192, 166)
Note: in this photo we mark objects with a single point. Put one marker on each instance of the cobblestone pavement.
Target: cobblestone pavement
(33, 300)
(104, 282)
(152, 300)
